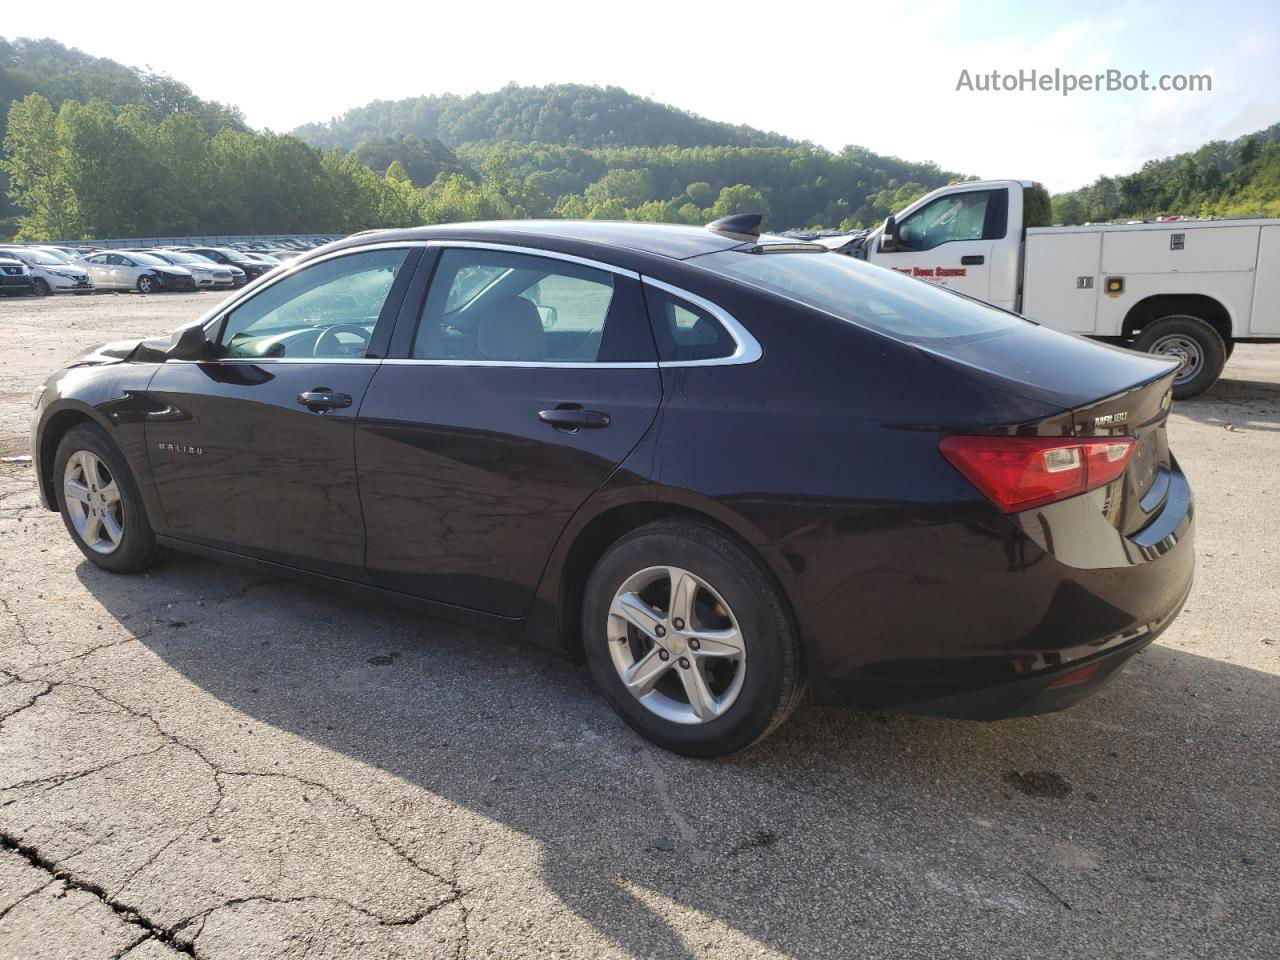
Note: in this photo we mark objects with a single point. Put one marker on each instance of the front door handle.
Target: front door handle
(574, 418)
(973, 260)
(322, 400)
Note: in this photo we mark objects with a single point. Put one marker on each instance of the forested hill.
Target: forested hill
(1223, 178)
(566, 114)
(60, 73)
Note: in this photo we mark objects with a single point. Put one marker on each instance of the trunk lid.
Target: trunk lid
(1096, 390)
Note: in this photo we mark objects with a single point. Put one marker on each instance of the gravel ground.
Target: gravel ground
(204, 761)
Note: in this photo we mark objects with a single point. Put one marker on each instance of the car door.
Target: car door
(100, 270)
(124, 272)
(511, 394)
(950, 241)
(252, 450)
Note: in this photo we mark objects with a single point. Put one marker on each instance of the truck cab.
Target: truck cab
(967, 237)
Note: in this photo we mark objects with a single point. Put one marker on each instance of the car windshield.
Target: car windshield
(235, 256)
(36, 256)
(59, 255)
(870, 296)
(149, 259)
(175, 257)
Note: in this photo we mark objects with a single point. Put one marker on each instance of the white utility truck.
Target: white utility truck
(1188, 288)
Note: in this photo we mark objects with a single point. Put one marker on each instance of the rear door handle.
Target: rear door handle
(574, 418)
(973, 260)
(322, 400)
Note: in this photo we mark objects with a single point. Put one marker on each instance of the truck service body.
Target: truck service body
(1186, 288)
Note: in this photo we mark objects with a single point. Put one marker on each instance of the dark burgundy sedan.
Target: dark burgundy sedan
(726, 469)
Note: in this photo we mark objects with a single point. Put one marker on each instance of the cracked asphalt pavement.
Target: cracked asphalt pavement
(203, 761)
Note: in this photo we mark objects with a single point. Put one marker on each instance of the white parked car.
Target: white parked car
(207, 274)
(51, 273)
(126, 270)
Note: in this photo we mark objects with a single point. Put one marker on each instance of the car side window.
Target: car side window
(685, 331)
(115, 260)
(959, 216)
(328, 309)
(496, 306)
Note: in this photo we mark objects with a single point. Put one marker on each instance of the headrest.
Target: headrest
(511, 329)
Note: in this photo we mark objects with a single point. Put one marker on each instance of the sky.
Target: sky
(883, 76)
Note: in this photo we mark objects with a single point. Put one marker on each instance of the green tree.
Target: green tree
(700, 193)
(36, 167)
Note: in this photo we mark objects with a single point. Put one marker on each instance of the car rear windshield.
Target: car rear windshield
(884, 300)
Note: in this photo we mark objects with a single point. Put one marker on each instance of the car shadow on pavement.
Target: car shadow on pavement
(844, 833)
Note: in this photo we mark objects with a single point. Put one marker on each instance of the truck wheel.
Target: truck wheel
(1195, 343)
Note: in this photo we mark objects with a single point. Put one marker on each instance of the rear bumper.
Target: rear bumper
(985, 619)
(1050, 689)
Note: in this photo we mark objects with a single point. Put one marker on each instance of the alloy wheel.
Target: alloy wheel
(676, 645)
(1185, 350)
(93, 502)
(145, 284)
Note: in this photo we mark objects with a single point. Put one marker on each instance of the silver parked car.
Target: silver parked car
(126, 270)
(207, 274)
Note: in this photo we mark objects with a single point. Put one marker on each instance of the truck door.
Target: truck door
(950, 240)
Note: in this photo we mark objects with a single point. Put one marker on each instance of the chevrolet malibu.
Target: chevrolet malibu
(725, 469)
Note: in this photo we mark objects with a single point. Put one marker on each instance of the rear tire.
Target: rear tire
(105, 517)
(733, 671)
(1191, 340)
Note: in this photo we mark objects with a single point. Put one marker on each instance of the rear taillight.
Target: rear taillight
(1018, 473)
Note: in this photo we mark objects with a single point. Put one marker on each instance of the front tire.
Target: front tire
(1195, 343)
(41, 287)
(689, 639)
(100, 503)
(146, 283)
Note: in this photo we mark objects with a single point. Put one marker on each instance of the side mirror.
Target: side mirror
(189, 343)
(889, 235)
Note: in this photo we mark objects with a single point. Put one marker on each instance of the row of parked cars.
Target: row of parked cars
(44, 269)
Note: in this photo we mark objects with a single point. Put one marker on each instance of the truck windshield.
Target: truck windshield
(870, 296)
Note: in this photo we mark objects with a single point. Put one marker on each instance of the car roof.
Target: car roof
(675, 241)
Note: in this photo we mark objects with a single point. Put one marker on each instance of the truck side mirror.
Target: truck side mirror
(189, 343)
(889, 235)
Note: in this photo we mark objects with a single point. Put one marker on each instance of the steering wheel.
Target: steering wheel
(324, 349)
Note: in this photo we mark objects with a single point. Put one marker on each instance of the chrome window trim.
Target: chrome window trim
(534, 252)
(748, 349)
(259, 361)
(548, 364)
